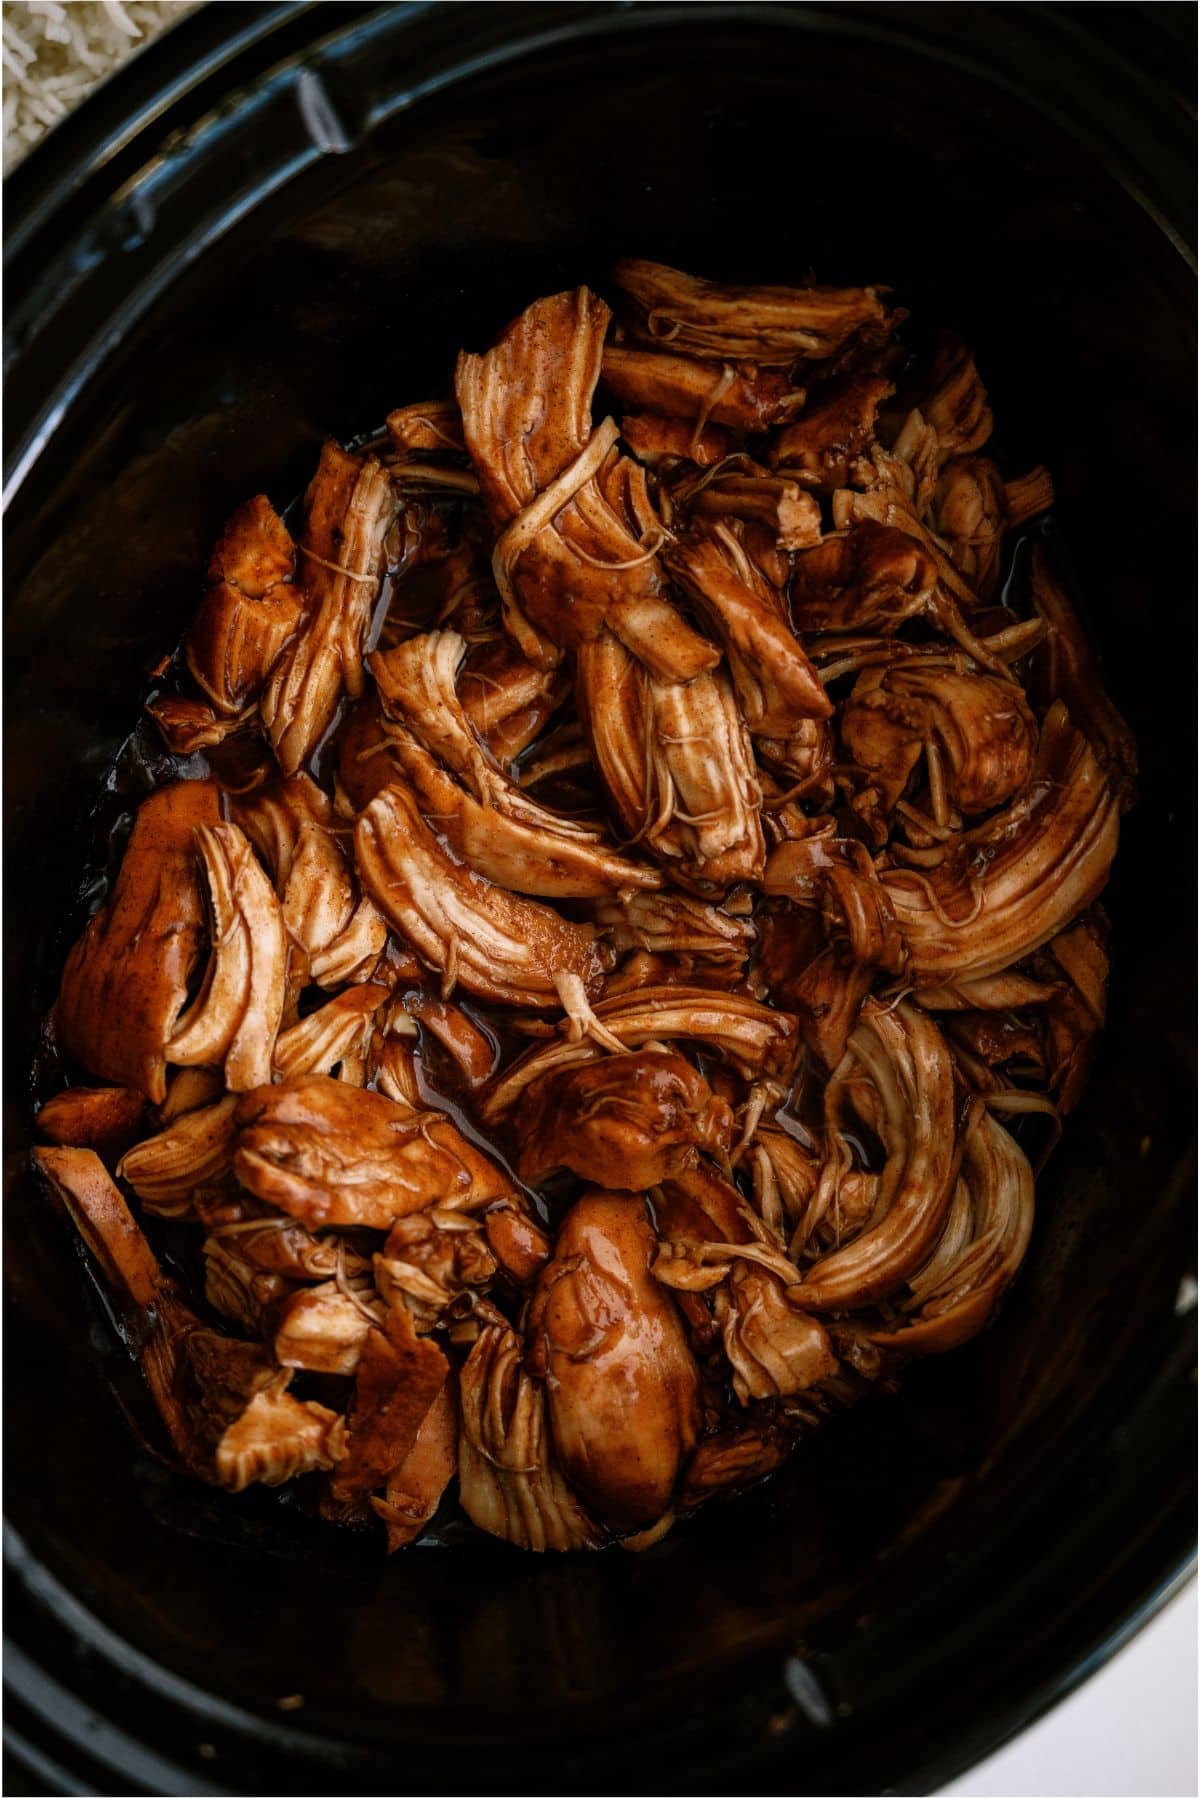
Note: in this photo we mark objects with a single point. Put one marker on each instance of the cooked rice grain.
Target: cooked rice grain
(56, 51)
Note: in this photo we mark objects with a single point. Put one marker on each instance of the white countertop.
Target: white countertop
(1128, 1732)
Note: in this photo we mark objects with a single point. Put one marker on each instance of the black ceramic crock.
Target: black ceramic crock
(276, 224)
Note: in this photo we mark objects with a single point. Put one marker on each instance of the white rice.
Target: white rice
(56, 51)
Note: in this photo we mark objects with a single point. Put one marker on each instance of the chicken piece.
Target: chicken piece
(104, 1221)
(1028, 495)
(350, 507)
(507, 699)
(190, 725)
(509, 1481)
(873, 577)
(1076, 962)
(769, 325)
(787, 511)
(701, 1206)
(1008, 991)
(665, 645)
(731, 1460)
(630, 1120)
(829, 1201)
(225, 1404)
(104, 1118)
(706, 1226)
(804, 759)
(754, 1039)
(785, 1174)
(774, 680)
(193, 1154)
(898, 496)
(235, 1017)
(977, 734)
(910, 467)
(322, 1329)
(996, 1040)
(331, 1154)
(417, 687)
(474, 1050)
(956, 1292)
(824, 975)
(430, 1259)
(517, 843)
(279, 1245)
(293, 826)
(667, 923)
(487, 820)
(693, 1211)
(760, 547)
(822, 982)
(774, 1348)
(520, 1248)
(656, 439)
(392, 1061)
(564, 552)
(337, 1035)
(415, 1485)
(1066, 670)
(244, 1293)
(425, 425)
(622, 1387)
(898, 1078)
(676, 760)
(126, 979)
(822, 446)
(970, 514)
(1013, 882)
(956, 406)
(737, 395)
(250, 610)
(398, 1379)
(560, 752)
(494, 944)
(784, 819)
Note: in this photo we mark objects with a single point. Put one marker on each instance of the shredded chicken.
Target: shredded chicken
(822, 446)
(293, 827)
(192, 1155)
(564, 551)
(104, 1118)
(740, 396)
(328, 1153)
(472, 932)
(676, 761)
(225, 1403)
(235, 1017)
(763, 324)
(977, 734)
(629, 1120)
(621, 1385)
(350, 507)
(251, 609)
(898, 1078)
(644, 885)
(488, 820)
(510, 1482)
(126, 980)
(776, 684)
(1010, 884)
